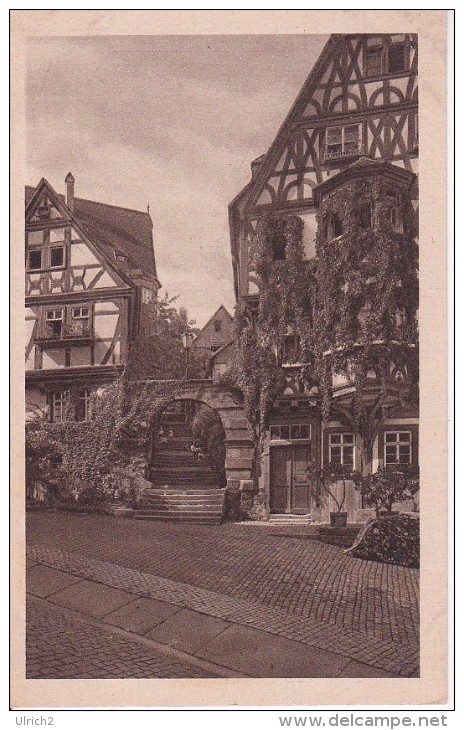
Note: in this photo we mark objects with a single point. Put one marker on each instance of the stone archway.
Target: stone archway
(239, 462)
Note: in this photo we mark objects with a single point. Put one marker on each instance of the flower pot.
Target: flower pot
(338, 519)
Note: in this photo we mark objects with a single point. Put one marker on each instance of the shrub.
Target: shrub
(387, 486)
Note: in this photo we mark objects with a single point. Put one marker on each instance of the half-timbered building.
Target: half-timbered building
(355, 117)
(90, 272)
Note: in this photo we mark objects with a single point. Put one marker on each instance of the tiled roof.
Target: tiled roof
(112, 228)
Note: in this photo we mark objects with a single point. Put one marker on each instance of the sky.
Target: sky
(172, 122)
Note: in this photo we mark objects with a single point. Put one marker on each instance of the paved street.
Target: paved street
(138, 598)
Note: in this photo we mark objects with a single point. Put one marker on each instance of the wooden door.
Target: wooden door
(300, 491)
(281, 478)
(289, 485)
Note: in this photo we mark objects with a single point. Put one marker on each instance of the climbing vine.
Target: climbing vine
(285, 308)
(365, 322)
(353, 308)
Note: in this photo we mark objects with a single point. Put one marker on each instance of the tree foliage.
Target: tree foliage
(158, 352)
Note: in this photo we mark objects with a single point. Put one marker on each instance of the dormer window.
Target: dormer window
(217, 325)
(343, 141)
(120, 256)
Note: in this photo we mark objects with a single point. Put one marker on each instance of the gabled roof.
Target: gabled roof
(273, 152)
(111, 229)
(220, 309)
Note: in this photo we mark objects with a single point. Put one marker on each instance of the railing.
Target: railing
(359, 150)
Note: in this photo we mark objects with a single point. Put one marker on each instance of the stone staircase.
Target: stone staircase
(185, 488)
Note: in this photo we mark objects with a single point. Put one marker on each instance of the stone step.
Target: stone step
(170, 491)
(283, 519)
(170, 517)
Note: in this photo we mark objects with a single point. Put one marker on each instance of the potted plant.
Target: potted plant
(385, 487)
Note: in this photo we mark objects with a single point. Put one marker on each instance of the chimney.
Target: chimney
(69, 180)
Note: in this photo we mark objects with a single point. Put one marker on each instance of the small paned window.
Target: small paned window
(396, 58)
(56, 257)
(290, 348)
(279, 247)
(80, 312)
(397, 448)
(343, 141)
(83, 405)
(54, 320)
(217, 325)
(35, 259)
(374, 61)
(58, 406)
(296, 432)
(365, 216)
(341, 449)
(334, 227)
(147, 295)
(80, 321)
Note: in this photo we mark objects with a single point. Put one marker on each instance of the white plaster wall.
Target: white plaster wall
(81, 255)
(36, 403)
(309, 234)
(105, 324)
(53, 359)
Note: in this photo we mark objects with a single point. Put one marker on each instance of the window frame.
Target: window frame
(343, 153)
(384, 46)
(342, 435)
(289, 426)
(62, 265)
(83, 398)
(48, 320)
(60, 407)
(35, 250)
(397, 444)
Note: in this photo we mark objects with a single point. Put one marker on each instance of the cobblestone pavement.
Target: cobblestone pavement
(60, 646)
(269, 566)
(335, 640)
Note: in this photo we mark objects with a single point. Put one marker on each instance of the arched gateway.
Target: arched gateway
(152, 397)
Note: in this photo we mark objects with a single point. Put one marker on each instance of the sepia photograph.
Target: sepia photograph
(223, 398)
